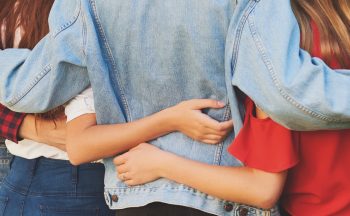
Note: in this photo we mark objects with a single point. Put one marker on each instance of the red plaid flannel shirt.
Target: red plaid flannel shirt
(9, 123)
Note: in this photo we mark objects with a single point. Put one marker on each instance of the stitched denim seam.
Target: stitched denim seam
(25, 192)
(45, 208)
(270, 67)
(238, 33)
(36, 79)
(220, 146)
(10, 187)
(70, 22)
(180, 187)
(111, 61)
(196, 193)
(84, 35)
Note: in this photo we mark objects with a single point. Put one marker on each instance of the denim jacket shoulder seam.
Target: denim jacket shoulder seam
(36, 79)
(70, 22)
(277, 83)
(238, 34)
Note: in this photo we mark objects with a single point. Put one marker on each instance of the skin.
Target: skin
(87, 141)
(48, 132)
(146, 163)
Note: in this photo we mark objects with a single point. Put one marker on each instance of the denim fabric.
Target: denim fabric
(264, 60)
(5, 158)
(143, 56)
(53, 188)
(135, 68)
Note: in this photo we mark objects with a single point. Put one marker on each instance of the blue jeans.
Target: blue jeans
(5, 158)
(49, 187)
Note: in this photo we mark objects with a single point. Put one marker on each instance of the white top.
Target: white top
(80, 105)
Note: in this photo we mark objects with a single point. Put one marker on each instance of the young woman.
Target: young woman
(15, 126)
(41, 180)
(318, 180)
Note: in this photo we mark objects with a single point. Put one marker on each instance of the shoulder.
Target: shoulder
(64, 13)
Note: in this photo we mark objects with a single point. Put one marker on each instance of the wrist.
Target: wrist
(165, 165)
(170, 120)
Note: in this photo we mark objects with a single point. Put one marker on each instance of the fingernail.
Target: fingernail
(220, 103)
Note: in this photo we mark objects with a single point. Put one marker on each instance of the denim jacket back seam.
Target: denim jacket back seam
(112, 63)
(233, 45)
(220, 146)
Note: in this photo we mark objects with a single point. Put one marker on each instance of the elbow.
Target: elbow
(267, 201)
(73, 154)
(267, 191)
(75, 161)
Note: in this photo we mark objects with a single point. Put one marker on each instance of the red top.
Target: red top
(318, 180)
(9, 123)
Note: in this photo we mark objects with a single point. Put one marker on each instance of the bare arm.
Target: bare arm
(146, 163)
(44, 131)
(88, 141)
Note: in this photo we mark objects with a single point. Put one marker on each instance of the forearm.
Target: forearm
(237, 184)
(27, 129)
(101, 141)
(49, 132)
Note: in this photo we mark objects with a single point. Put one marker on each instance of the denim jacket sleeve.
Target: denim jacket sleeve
(35, 81)
(296, 90)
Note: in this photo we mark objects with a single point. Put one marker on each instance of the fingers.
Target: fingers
(213, 139)
(124, 176)
(216, 127)
(205, 103)
(122, 169)
(226, 125)
(121, 159)
(130, 182)
(216, 134)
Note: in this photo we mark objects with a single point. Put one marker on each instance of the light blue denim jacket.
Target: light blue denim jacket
(143, 56)
(263, 59)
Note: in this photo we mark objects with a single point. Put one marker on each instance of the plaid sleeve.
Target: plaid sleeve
(9, 123)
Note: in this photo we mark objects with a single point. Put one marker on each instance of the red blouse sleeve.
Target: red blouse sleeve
(263, 144)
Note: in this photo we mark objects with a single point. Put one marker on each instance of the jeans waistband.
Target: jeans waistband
(51, 176)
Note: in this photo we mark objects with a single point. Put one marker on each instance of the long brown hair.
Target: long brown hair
(332, 18)
(31, 17)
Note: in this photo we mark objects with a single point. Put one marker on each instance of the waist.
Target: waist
(30, 149)
(181, 195)
(50, 176)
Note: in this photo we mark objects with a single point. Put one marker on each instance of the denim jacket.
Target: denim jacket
(143, 56)
(264, 60)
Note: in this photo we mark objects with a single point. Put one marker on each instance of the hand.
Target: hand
(189, 119)
(141, 164)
